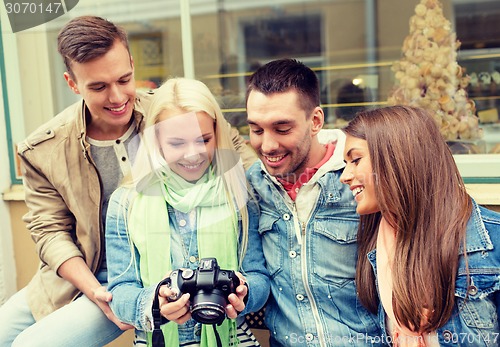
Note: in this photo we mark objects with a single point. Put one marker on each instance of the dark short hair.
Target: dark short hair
(282, 75)
(86, 38)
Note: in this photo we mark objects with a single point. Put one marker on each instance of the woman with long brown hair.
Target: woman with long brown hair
(428, 256)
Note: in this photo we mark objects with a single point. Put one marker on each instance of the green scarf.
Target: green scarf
(217, 236)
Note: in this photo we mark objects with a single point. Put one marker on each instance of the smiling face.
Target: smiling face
(282, 134)
(187, 142)
(358, 174)
(107, 85)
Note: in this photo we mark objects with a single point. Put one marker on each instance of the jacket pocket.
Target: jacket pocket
(271, 242)
(474, 301)
(343, 302)
(334, 251)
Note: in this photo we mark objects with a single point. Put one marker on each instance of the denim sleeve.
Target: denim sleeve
(496, 301)
(131, 302)
(254, 265)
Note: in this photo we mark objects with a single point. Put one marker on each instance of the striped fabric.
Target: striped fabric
(245, 335)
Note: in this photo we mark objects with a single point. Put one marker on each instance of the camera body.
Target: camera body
(208, 286)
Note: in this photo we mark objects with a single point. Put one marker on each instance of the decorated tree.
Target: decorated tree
(429, 76)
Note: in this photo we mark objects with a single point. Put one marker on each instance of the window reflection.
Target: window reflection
(352, 46)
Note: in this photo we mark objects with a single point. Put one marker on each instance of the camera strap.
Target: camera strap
(158, 339)
(216, 333)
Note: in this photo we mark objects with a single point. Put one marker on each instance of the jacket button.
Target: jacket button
(472, 290)
(286, 216)
(309, 337)
(300, 297)
(48, 131)
(292, 254)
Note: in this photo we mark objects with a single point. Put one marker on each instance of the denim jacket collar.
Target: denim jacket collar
(477, 238)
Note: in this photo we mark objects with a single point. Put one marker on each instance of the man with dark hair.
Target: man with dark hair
(308, 218)
(71, 165)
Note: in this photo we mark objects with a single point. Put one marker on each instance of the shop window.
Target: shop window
(350, 44)
(285, 36)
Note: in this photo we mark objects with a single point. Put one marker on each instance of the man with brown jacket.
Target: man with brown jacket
(71, 165)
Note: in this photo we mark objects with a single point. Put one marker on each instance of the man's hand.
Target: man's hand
(76, 271)
(102, 298)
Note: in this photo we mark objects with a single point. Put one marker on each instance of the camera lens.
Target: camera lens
(208, 314)
(208, 308)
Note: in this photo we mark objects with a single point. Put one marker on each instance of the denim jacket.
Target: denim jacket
(475, 317)
(310, 250)
(132, 302)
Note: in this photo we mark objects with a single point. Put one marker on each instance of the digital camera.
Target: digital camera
(208, 286)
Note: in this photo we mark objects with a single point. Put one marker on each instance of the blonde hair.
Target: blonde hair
(188, 96)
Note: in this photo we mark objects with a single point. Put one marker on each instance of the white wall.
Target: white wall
(7, 266)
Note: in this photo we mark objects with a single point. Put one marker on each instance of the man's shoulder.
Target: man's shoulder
(143, 99)
(53, 129)
(336, 136)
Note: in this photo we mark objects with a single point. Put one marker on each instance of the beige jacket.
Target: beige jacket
(63, 195)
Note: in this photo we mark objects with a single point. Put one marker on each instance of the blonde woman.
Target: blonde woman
(187, 200)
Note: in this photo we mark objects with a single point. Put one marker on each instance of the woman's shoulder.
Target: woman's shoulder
(491, 221)
(490, 216)
(478, 273)
(482, 240)
(483, 235)
(122, 196)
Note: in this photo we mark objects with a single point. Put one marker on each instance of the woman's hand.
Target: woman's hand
(236, 303)
(175, 311)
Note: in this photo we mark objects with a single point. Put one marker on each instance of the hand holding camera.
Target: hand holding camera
(203, 294)
(176, 311)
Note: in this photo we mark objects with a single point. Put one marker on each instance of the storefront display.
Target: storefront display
(429, 76)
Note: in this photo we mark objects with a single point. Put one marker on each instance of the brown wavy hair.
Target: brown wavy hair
(86, 38)
(421, 194)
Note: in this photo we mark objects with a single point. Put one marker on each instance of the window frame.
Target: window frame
(474, 168)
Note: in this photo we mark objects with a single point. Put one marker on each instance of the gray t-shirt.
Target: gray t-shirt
(113, 159)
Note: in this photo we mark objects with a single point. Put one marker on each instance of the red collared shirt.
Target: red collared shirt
(292, 189)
